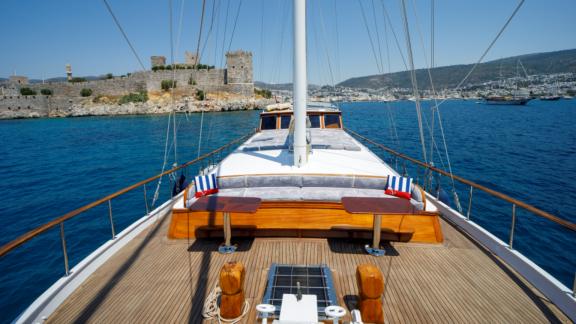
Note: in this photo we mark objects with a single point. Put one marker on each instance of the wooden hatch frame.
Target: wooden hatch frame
(306, 219)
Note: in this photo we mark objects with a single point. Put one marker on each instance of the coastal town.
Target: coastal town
(561, 84)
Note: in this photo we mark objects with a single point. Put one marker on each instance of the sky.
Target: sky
(346, 38)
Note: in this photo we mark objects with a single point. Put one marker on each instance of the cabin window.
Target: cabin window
(268, 122)
(314, 121)
(331, 121)
(285, 122)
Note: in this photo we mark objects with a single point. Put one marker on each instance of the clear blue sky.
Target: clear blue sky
(39, 37)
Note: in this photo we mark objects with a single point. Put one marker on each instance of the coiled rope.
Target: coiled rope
(212, 310)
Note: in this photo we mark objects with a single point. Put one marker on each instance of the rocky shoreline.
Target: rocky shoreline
(89, 108)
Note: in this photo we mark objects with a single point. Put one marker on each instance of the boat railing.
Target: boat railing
(59, 221)
(515, 203)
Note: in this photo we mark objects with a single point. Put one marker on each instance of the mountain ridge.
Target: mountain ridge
(446, 77)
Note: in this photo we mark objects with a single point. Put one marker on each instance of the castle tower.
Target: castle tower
(18, 80)
(191, 58)
(156, 61)
(69, 72)
(239, 67)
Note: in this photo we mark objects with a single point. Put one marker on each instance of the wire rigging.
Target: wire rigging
(180, 20)
(491, 43)
(235, 24)
(369, 36)
(327, 50)
(337, 54)
(277, 67)
(429, 72)
(390, 113)
(200, 33)
(260, 68)
(173, 83)
(207, 40)
(198, 62)
(225, 32)
(124, 34)
(377, 35)
(414, 80)
(394, 34)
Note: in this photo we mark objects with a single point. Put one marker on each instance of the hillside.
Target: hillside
(450, 76)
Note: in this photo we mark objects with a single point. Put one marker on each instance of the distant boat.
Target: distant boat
(550, 98)
(506, 100)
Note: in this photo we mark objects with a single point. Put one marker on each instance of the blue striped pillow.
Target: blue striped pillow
(205, 185)
(399, 187)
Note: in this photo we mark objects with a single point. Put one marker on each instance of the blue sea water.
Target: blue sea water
(51, 166)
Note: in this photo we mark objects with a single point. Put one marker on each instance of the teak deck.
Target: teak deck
(158, 280)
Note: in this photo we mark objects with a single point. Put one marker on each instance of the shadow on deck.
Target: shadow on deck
(154, 279)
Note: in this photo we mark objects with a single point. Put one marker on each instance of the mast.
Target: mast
(300, 83)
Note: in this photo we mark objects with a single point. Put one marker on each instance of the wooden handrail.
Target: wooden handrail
(43, 228)
(537, 211)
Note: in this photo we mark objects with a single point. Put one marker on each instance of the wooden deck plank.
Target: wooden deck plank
(154, 279)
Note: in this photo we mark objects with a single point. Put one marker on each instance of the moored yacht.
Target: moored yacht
(506, 100)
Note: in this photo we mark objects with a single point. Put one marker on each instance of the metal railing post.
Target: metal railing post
(512, 225)
(469, 203)
(111, 219)
(64, 252)
(146, 200)
(574, 286)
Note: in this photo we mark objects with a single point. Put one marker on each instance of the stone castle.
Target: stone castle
(236, 78)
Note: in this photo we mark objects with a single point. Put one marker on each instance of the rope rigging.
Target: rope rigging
(212, 310)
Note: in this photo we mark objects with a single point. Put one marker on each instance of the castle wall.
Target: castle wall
(237, 78)
(35, 106)
(113, 87)
(23, 106)
(206, 80)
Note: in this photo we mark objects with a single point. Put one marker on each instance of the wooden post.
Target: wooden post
(370, 288)
(232, 283)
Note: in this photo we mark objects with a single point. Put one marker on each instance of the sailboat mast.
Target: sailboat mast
(300, 83)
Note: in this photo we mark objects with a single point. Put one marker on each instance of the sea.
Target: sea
(49, 167)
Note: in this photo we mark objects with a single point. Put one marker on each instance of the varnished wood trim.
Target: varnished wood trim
(438, 230)
(290, 218)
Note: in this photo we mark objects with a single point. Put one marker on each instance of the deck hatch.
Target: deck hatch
(314, 280)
